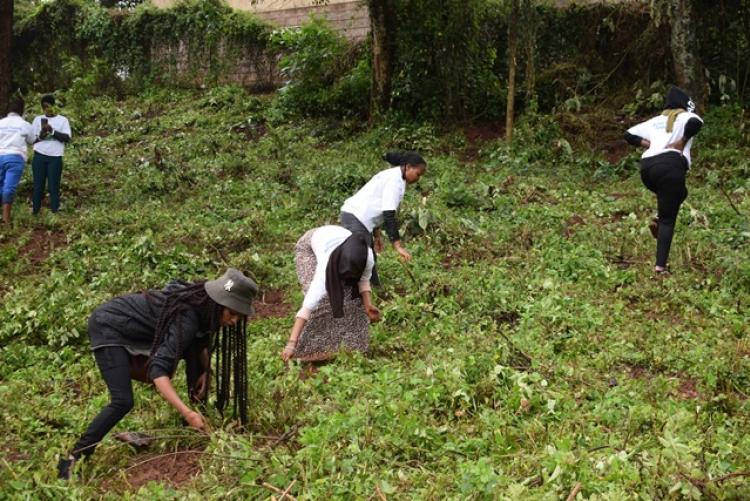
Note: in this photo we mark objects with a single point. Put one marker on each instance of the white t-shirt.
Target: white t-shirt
(15, 135)
(324, 241)
(381, 193)
(50, 146)
(655, 130)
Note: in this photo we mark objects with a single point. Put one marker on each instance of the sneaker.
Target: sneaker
(65, 468)
(654, 227)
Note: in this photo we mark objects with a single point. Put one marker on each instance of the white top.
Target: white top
(324, 241)
(381, 193)
(50, 146)
(655, 130)
(15, 135)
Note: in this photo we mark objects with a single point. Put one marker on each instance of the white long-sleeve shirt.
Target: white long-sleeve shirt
(323, 242)
(15, 135)
(655, 130)
(50, 146)
(383, 192)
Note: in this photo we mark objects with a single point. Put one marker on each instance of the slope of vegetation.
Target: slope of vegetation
(527, 347)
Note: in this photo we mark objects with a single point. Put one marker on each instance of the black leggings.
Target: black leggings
(114, 364)
(665, 175)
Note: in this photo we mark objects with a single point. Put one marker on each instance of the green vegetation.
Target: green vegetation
(527, 348)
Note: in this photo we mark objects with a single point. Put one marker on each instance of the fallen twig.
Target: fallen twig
(380, 494)
(731, 202)
(191, 451)
(574, 492)
(279, 491)
(286, 435)
(286, 491)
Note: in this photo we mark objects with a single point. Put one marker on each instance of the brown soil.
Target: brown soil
(42, 243)
(10, 453)
(616, 150)
(175, 468)
(687, 389)
(477, 136)
(272, 304)
(571, 223)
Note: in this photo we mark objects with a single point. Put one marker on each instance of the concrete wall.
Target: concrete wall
(348, 17)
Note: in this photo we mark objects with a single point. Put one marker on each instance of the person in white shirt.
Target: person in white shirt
(334, 267)
(15, 136)
(668, 138)
(376, 203)
(53, 131)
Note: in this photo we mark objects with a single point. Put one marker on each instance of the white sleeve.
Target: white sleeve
(315, 293)
(65, 129)
(642, 129)
(364, 281)
(392, 195)
(30, 133)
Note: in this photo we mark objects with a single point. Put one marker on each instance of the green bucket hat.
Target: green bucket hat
(233, 290)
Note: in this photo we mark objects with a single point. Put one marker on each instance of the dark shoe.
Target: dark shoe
(65, 468)
(654, 227)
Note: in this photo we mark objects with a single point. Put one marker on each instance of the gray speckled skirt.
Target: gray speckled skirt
(323, 335)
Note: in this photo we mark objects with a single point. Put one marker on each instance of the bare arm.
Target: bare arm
(372, 312)
(164, 386)
(299, 324)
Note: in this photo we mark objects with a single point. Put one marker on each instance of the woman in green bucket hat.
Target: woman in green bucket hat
(143, 336)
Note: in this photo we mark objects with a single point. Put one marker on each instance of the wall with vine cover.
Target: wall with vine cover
(196, 42)
(450, 54)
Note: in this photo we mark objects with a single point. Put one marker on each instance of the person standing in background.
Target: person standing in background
(15, 136)
(53, 131)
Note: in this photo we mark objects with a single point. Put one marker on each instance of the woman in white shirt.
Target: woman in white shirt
(334, 267)
(15, 137)
(53, 131)
(668, 138)
(376, 203)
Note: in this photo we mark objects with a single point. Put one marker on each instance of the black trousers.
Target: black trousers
(114, 365)
(351, 223)
(665, 176)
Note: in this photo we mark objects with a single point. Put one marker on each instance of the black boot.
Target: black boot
(65, 467)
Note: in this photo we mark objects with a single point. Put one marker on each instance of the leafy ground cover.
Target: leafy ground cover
(526, 349)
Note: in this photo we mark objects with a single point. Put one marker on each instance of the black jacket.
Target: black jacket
(130, 321)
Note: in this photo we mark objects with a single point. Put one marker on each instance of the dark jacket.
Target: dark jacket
(130, 321)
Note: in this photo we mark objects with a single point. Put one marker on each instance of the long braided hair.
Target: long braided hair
(229, 346)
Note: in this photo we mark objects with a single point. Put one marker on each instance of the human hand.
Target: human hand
(286, 355)
(201, 387)
(403, 253)
(378, 244)
(195, 420)
(372, 313)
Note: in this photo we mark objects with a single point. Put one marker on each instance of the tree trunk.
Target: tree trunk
(6, 37)
(687, 65)
(530, 28)
(383, 29)
(512, 63)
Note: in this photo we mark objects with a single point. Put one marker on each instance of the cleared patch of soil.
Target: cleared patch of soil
(272, 304)
(571, 223)
(42, 243)
(10, 453)
(615, 151)
(478, 135)
(686, 390)
(175, 468)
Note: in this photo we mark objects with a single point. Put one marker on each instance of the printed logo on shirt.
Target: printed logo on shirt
(228, 286)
